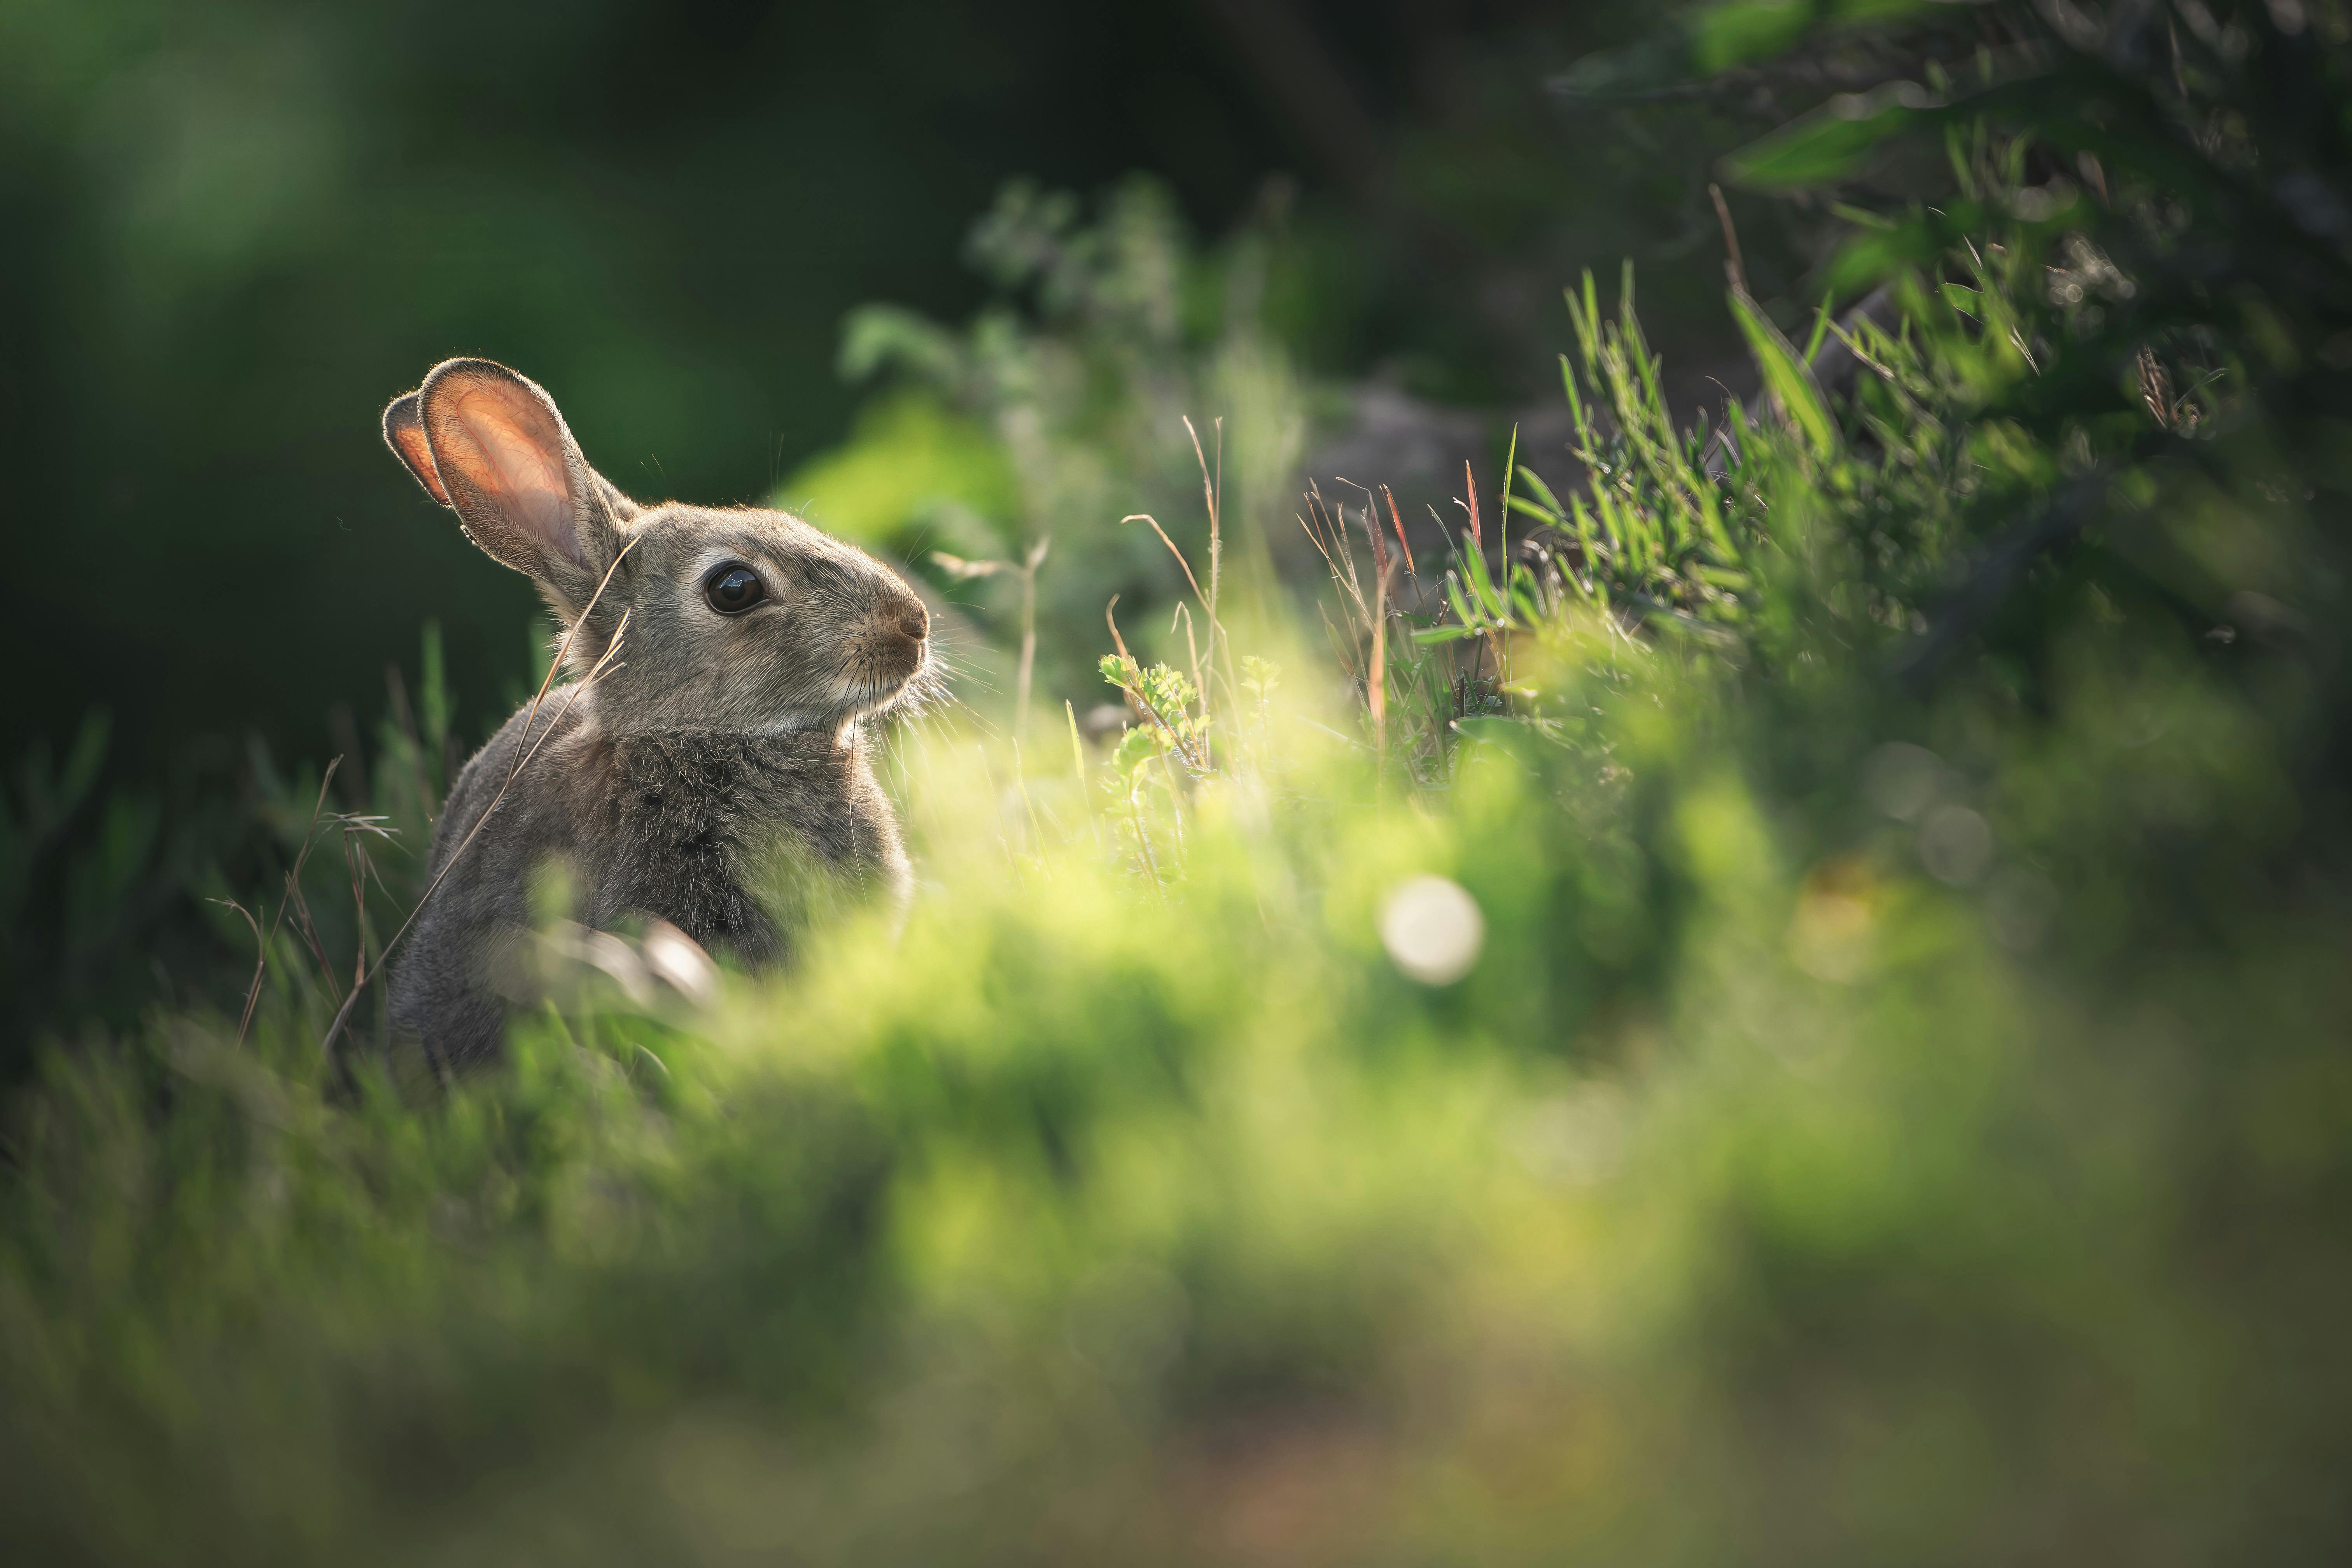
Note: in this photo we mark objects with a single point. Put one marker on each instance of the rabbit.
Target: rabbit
(723, 741)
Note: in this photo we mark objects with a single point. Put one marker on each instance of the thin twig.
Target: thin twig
(1192, 646)
(260, 962)
(1147, 516)
(1411, 571)
(301, 858)
(1212, 497)
(1111, 621)
(1732, 262)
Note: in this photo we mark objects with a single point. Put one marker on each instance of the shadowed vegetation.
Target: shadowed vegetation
(1763, 990)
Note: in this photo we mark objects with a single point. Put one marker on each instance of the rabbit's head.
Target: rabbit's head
(739, 621)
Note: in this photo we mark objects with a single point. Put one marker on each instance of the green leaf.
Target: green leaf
(1482, 583)
(1568, 379)
(1858, 13)
(1739, 31)
(1787, 377)
(1827, 145)
(1543, 491)
(1136, 748)
(1429, 635)
(1586, 541)
(1921, 240)
(1462, 610)
(1730, 34)
(876, 337)
(1821, 327)
(1861, 217)
(1503, 519)
(1527, 595)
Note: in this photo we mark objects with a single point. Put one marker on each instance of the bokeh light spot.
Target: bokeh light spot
(1433, 930)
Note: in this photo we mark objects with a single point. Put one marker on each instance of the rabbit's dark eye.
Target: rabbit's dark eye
(733, 589)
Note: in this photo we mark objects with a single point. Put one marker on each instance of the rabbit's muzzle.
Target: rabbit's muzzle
(891, 648)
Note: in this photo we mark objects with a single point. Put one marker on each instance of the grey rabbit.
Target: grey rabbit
(722, 745)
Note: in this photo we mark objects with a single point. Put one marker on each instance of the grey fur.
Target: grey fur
(719, 757)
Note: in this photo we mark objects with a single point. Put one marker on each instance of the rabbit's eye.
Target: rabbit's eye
(733, 589)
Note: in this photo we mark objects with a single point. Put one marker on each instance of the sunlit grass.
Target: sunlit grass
(1084, 1217)
(1599, 1049)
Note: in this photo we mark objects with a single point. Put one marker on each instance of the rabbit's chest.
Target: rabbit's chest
(698, 833)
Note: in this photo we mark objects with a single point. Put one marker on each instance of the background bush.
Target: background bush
(1897, 1110)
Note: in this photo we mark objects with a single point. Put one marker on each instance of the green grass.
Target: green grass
(1896, 1111)
(1754, 1186)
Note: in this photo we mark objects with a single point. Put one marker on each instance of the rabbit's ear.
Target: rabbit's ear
(514, 475)
(404, 432)
(624, 509)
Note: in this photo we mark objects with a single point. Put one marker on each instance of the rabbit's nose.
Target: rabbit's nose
(914, 620)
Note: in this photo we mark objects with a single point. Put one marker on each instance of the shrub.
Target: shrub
(1796, 1018)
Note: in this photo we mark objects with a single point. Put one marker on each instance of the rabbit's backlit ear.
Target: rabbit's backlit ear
(404, 432)
(513, 473)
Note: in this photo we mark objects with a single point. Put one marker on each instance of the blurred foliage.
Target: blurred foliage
(1087, 376)
(912, 470)
(239, 226)
(242, 226)
(121, 904)
(1886, 1098)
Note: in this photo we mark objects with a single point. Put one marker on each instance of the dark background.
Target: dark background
(236, 229)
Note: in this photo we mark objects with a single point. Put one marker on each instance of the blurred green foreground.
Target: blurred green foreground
(1884, 1096)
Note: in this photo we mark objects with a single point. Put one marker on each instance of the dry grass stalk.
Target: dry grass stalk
(291, 895)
